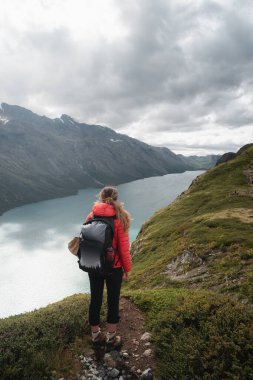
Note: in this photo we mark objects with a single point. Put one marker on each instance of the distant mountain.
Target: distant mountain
(226, 157)
(42, 158)
(231, 155)
(201, 162)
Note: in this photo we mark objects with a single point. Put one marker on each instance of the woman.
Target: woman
(109, 206)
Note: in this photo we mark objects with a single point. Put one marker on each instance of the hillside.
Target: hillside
(43, 158)
(205, 238)
(192, 279)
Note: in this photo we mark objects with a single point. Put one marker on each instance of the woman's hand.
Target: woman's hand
(125, 276)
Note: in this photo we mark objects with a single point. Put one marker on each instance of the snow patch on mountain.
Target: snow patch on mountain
(4, 120)
(112, 140)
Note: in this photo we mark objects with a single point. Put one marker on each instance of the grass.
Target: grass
(33, 344)
(198, 334)
(202, 326)
(214, 220)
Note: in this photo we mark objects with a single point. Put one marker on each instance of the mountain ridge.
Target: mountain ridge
(43, 158)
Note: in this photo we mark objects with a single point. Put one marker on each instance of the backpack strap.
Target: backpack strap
(109, 220)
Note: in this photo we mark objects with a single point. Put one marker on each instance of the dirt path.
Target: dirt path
(137, 346)
(131, 362)
(131, 328)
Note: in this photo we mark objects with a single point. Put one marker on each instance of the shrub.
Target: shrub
(198, 335)
(30, 342)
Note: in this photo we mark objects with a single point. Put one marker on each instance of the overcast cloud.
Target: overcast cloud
(171, 73)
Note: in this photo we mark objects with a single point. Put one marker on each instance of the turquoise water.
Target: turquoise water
(36, 267)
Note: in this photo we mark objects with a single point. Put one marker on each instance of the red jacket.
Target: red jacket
(120, 239)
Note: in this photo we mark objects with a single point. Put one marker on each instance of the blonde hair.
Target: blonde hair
(109, 195)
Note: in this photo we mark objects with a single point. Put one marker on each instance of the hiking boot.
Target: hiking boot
(113, 342)
(97, 339)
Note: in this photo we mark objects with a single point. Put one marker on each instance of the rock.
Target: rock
(87, 365)
(147, 352)
(114, 372)
(138, 371)
(81, 357)
(147, 344)
(183, 262)
(115, 354)
(146, 337)
(147, 374)
(136, 342)
(109, 361)
(125, 355)
(133, 369)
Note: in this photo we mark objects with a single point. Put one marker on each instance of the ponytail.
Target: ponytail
(109, 195)
(122, 215)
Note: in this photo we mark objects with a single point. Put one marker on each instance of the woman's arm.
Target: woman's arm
(124, 248)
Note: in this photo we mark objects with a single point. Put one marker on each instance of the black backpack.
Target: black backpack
(96, 254)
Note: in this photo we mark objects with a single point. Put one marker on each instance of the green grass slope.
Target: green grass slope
(205, 238)
(198, 334)
(193, 264)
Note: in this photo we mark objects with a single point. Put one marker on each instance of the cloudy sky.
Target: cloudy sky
(175, 73)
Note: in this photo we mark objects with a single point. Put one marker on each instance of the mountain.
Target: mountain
(226, 157)
(201, 162)
(231, 155)
(43, 158)
(192, 279)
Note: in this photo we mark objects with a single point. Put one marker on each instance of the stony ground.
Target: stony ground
(134, 360)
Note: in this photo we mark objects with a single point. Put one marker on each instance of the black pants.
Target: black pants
(113, 285)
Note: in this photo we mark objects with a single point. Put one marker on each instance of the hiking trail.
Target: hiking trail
(135, 360)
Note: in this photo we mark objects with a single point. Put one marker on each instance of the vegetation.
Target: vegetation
(212, 220)
(193, 268)
(33, 344)
(192, 277)
(198, 334)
